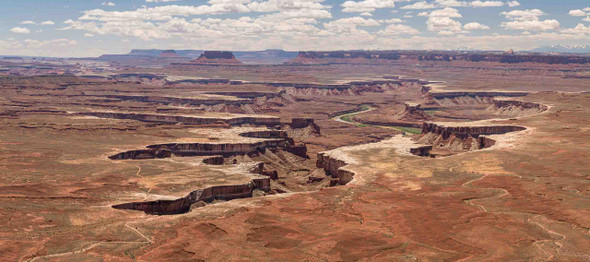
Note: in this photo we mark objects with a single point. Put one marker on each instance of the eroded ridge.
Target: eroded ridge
(452, 138)
(203, 196)
(273, 139)
(192, 120)
(263, 156)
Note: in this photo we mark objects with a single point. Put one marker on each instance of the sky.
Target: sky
(75, 28)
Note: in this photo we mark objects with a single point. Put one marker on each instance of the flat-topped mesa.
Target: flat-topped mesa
(446, 140)
(446, 131)
(207, 195)
(217, 58)
(454, 94)
(169, 54)
(514, 108)
(274, 140)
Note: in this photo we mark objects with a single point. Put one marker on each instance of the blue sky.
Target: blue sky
(75, 28)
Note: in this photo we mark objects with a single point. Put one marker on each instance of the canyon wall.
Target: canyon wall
(161, 118)
(516, 108)
(446, 131)
(209, 194)
(334, 168)
(447, 140)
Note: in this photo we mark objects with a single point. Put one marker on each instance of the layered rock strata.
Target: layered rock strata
(192, 120)
(334, 168)
(459, 138)
(274, 140)
(206, 195)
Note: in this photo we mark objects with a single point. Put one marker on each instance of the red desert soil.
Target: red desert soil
(495, 196)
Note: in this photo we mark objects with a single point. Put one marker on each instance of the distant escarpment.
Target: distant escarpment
(372, 57)
(213, 58)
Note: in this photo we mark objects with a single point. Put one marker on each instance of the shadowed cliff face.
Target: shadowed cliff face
(158, 118)
(206, 195)
(276, 140)
(448, 140)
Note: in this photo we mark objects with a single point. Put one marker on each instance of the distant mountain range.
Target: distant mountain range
(563, 49)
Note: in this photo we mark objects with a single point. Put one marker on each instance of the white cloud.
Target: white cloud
(486, 3)
(445, 12)
(577, 12)
(475, 26)
(580, 29)
(20, 30)
(451, 3)
(419, 5)
(349, 25)
(366, 5)
(532, 14)
(441, 22)
(512, 3)
(398, 29)
(303, 25)
(532, 25)
(528, 20)
(391, 21)
(48, 22)
(27, 22)
(107, 3)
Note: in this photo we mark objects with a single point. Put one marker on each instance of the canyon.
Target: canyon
(331, 156)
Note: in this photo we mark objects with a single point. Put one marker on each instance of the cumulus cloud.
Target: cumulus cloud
(305, 25)
(521, 15)
(512, 3)
(441, 21)
(528, 20)
(580, 29)
(451, 3)
(48, 22)
(475, 26)
(366, 5)
(398, 29)
(477, 3)
(349, 25)
(20, 30)
(579, 12)
(107, 3)
(419, 5)
(27, 22)
(486, 3)
(391, 21)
